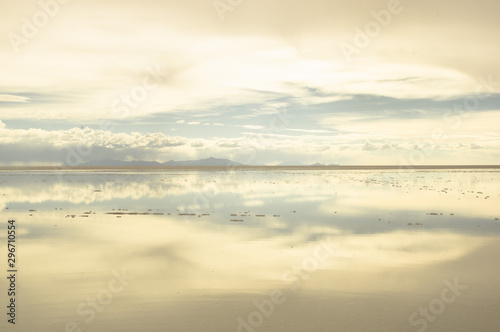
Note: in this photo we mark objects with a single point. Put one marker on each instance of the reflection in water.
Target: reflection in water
(350, 250)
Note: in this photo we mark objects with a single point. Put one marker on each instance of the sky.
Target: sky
(259, 82)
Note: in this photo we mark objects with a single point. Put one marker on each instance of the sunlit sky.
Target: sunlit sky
(258, 82)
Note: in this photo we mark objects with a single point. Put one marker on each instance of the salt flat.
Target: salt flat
(255, 249)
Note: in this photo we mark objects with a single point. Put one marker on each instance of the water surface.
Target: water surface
(254, 250)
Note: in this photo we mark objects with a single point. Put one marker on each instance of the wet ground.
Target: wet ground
(254, 249)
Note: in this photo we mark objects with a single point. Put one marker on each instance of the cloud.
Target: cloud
(312, 131)
(13, 99)
(388, 146)
(279, 57)
(369, 147)
(41, 146)
(197, 144)
(76, 145)
(251, 127)
(229, 145)
(262, 58)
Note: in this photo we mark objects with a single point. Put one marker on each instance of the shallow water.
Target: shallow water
(254, 250)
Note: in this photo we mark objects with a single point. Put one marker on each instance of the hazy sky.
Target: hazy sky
(259, 82)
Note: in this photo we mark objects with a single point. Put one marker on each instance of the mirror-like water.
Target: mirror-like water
(254, 250)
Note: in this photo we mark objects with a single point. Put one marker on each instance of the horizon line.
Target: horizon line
(235, 167)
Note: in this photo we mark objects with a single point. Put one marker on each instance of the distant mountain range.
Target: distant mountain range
(322, 165)
(201, 162)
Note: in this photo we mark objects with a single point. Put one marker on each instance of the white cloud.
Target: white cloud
(36, 146)
(251, 127)
(369, 147)
(210, 68)
(42, 146)
(197, 144)
(13, 98)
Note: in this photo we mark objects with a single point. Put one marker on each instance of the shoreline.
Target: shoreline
(247, 168)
